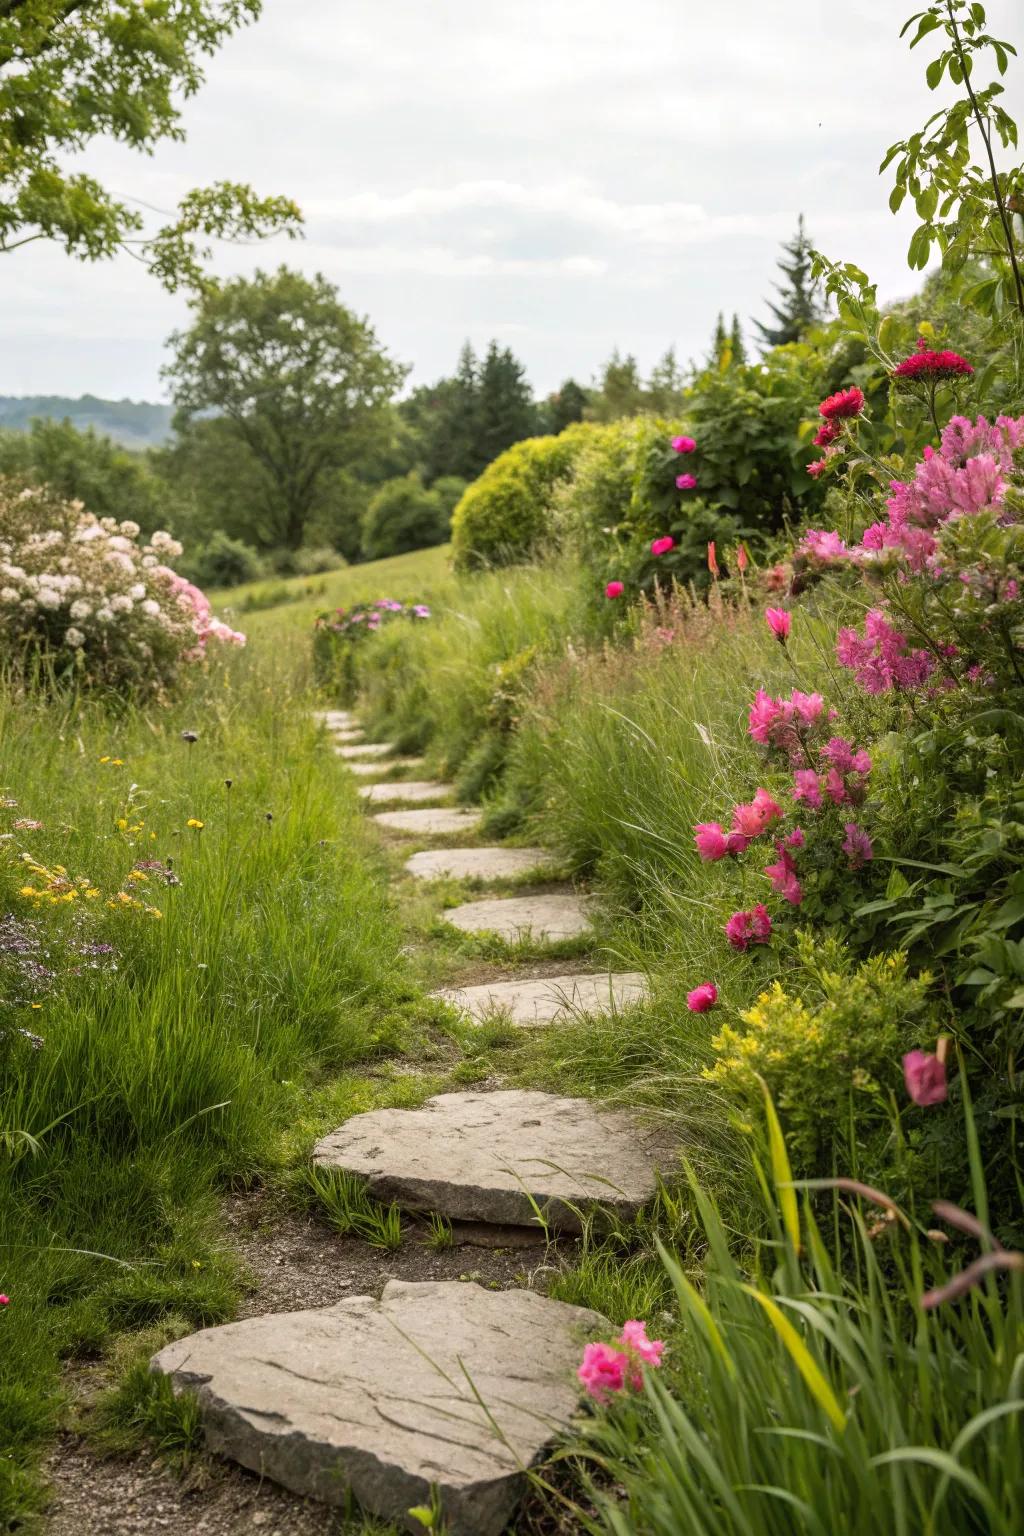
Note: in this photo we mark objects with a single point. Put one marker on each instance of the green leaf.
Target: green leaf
(937, 68)
(929, 22)
(927, 203)
(896, 197)
(919, 248)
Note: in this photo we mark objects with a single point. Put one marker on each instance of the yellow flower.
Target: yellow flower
(37, 1005)
(92, 893)
(154, 912)
(29, 890)
(194, 822)
(137, 874)
(122, 822)
(117, 762)
(104, 759)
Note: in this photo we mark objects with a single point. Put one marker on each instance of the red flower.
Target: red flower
(827, 433)
(614, 589)
(712, 560)
(702, 998)
(845, 402)
(816, 468)
(742, 559)
(932, 366)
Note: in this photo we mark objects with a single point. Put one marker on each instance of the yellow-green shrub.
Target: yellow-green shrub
(505, 515)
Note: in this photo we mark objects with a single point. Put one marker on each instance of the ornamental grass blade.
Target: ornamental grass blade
(782, 1173)
(802, 1358)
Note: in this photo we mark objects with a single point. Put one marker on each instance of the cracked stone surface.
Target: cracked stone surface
(406, 789)
(367, 749)
(373, 1397)
(479, 863)
(544, 919)
(496, 1157)
(532, 1003)
(374, 770)
(441, 822)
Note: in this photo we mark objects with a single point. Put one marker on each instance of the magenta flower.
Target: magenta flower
(686, 482)
(782, 874)
(746, 928)
(614, 589)
(5, 1301)
(683, 444)
(807, 788)
(925, 1077)
(603, 1370)
(711, 841)
(753, 819)
(634, 1338)
(702, 998)
(817, 468)
(663, 545)
(844, 403)
(857, 845)
(932, 366)
(780, 622)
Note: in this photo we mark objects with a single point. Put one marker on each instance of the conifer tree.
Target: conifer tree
(799, 308)
(736, 342)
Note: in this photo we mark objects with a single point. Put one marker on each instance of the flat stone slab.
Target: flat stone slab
(531, 1004)
(335, 719)
(367, 749)
(499, 1157)
(440, 822)
(479, 863)
(374, 770)
(348, 734)
(406, 789)
(372, 1396)
(544, 919)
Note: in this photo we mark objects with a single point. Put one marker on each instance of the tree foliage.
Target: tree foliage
(799, 308)
(88, 467)
(72, 71)
(296, 385)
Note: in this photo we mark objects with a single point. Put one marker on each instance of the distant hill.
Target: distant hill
(133, 423)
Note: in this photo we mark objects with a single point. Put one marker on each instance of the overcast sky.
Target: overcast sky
(566, 175)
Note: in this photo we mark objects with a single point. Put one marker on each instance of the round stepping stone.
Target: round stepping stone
(378, 1398)
(499, 1157)
(371, 769)
(479, 863)
(406, 789)
(367, 749)
(533, 1003)
(544, 919)
(439, 822)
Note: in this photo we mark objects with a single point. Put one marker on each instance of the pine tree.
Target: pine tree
(565, 406)
(619, 391)
(665, 385)
(800, 308)
(736, 342)
(505, 412)
(719, 343)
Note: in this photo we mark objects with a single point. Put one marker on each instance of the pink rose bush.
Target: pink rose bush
(93, 599)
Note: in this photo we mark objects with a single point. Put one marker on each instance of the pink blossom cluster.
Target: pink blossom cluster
(748, 822)
(196, 606)
(608, 1368)
(787, 724)
(842, 779)
(882, 659)
(746, 928)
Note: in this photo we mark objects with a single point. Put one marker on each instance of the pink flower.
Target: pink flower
(614, 589)
(782, 874)
(807, 788)
(5, 1301)
(603, 1370)
(742, 559)
(686, 482)
(925, 1077)
(753, 819)
(711, 841)
(827, 433)
(931, 366)
(702, 998)
(634, 1338)
(663, 545)
(780, 622)
(857, 845)
(683, 444)
(846, 402)
(746, 928)
(817, 468)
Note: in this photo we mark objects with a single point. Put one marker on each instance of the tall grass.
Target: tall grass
(273, 964)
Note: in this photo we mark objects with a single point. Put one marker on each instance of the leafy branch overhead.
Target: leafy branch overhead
(71, 72)
(967, 210)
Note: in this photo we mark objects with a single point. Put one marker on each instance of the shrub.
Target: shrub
(403, 516)
(506, 515)
(224, 562)
(449, 489)
(81, 598)
(309, 560)
(337, 636)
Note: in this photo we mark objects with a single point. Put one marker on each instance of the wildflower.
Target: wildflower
(780, 622)
(925, 1077)
(712, 560)
(742, 559)
(782, 874)
(5, 1301)
(930, 366)
(843, 404)
(753, 819)
(683, 444)
(686, 482)
(746, 928)
(663, 545)
(807, 788)
(826, 434)
(711, 841)
(857, 845)
(26, 824)
(614, 589)
(702, 998)
(634, 1338)
(817, 468)
(603, 1370)
(194, 821)
(189, 736)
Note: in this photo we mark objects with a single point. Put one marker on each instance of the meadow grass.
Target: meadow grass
(178, 1051)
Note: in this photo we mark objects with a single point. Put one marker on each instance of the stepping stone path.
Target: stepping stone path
(499, 1157)
(376, 1397)
(406, 789)
(531, 1004)
(441, 822)
(367, 749)
(479, 863)
(348, 736)
(366, 770)
(439, 1384)
(542, 919)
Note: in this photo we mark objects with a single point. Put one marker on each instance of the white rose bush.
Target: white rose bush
(88, 600)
